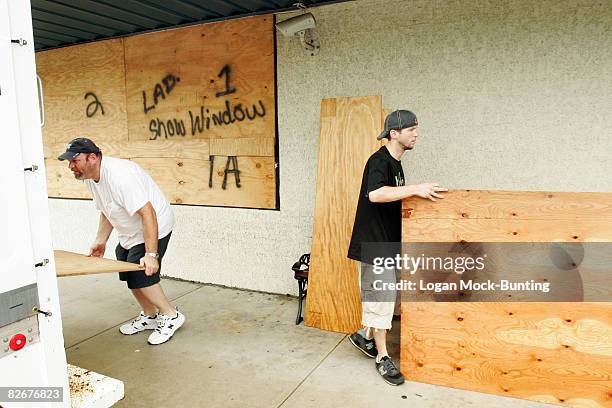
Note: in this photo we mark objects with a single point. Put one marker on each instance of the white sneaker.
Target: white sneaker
(166, 326)
(142, 322)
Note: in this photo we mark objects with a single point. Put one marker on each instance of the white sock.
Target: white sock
(380, 357)
(365, 333)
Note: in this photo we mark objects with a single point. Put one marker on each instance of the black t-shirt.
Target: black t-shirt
(377, 222)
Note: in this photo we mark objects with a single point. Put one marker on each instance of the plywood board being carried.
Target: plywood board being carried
(550, 352)
(190, 95)
(347, 138)
(73, 264)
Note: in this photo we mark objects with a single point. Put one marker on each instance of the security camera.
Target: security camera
(297, 24)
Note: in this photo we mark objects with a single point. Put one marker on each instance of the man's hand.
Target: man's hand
(429, 190)
(150, 263)
(97, 249)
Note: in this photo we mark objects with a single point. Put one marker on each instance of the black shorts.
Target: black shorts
(138, 279)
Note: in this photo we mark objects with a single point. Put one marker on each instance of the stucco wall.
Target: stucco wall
(509, 94)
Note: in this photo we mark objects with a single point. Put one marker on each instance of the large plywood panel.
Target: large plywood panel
(347, 138)
(68, 76)
(191, 67)
(188, 95)
(184, 180)
(550, 352)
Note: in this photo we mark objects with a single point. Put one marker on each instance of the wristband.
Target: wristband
(153, 254)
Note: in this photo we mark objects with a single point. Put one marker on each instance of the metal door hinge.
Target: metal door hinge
(20, 41)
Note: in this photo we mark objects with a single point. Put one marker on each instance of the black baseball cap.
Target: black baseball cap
(78, 145)
(399, 119)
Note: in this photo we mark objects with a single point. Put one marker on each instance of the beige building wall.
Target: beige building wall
(510, 95)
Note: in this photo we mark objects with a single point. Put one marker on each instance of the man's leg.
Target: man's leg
(380, 338)
(149, 308)
(154, 296)
(377, 315)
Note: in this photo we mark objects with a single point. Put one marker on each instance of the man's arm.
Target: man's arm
(104, 230)
(387, 194)
(150, 231)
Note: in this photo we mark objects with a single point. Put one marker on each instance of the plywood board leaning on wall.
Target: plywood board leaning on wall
(551, 352)
(192, 96)
(347, 138)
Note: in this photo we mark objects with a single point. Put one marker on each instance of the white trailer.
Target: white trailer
(31, 342)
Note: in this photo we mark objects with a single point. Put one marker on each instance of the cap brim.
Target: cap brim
(383, 135)
(67, 156)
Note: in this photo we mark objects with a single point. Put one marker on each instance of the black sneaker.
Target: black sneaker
(389, 372)
(367, 347)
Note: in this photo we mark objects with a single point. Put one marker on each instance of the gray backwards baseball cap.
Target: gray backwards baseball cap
(399, 119)
(77, 146)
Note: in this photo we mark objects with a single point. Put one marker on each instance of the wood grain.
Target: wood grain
(187, 181)
(72, 264)
(502, 230)
(119, 71)
(184, 149)
(512, 205)
(469, 345)
(385, 113)
(196, 55)
(333, 301)
(67, 75)
(245, 146)
(61, 182)
(550, 352)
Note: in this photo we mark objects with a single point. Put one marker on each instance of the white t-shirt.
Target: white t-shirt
(123, 189)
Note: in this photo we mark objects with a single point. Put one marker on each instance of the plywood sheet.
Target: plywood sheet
(186, 149)
(513, 205)
(188, 64)
(551, 352)
(333, 301)
(385, 113)
(502, 230)
(73, 264)
(176, 96)
(68, 76)
(244, 146)
(188, 181)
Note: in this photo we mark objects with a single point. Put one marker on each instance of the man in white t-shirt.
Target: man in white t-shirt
(130, 202)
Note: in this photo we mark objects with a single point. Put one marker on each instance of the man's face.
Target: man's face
(83, 166)
(407, 137)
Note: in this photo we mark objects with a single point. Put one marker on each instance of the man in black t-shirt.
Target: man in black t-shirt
(378, 220)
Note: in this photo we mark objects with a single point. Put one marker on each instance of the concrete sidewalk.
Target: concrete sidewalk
(236, 349)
